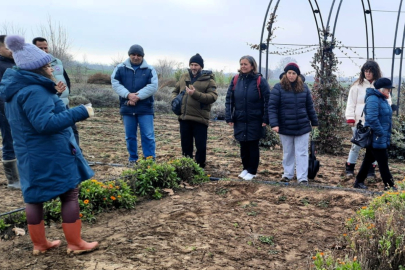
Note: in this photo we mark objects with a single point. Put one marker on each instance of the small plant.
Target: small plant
(282, 198)
(221, 191)
(189, 171)
(253, 213)
(305, 201)
(270, 138)
(267, 239)
(323, 204)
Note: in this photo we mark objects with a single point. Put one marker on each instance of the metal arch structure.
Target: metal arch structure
(398, 51)
(263, 47)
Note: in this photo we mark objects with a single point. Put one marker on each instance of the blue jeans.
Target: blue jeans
(145, 122)
(8, 149)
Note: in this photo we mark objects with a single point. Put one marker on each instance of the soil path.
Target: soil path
(216, 226)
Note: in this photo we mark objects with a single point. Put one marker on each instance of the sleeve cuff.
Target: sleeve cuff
(350, 121)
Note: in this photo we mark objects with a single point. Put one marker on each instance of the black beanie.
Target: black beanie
(197, 59)
(136, 49)
(294, 67)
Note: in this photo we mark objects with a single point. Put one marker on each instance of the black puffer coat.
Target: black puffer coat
(292, 112)
(245, 108)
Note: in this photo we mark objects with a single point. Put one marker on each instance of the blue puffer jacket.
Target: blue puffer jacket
(48, 158)
(292, 112)
(246, 109)
(144, 81)
(378, 116)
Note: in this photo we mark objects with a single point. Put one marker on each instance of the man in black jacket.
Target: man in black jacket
(9, 160)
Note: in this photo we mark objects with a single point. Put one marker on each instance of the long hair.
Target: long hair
(287, 85)
(41, 71)
(371, 66)
(252, 61)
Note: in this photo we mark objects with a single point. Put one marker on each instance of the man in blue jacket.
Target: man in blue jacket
(9, 160)
(136, 82)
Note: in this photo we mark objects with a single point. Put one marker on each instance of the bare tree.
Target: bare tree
(117, 59)
(9, 28)
(165, 68)
(58, 40)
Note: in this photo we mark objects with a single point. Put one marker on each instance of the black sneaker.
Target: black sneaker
(393, 188)
(359, 185)
(285, 179)
(304, 182)
(350, 169)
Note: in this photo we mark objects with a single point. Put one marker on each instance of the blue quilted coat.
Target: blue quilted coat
(49, 160)
(378, 116)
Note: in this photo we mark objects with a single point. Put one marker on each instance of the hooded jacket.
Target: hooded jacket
(5, 63)
(197, 107)
(143, 80)
(378, 115)
(49, 160)
(292, 112)
(356, 101)
(246, 108)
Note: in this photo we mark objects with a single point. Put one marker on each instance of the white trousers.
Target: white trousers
(295, 156)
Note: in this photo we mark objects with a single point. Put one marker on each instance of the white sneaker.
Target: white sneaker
(243, 174)
(249, 177)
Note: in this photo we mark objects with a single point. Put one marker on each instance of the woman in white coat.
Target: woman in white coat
(370, 72)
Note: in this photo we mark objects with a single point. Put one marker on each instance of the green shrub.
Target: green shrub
(147, 177)
(328, 262)
(397, 148)
(270, 138)
(99, 78)
(189, 171)
(376, 234)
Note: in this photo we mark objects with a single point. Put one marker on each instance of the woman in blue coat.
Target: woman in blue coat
(378, 116)
(49, 161)
(292, 116)
(246, 110)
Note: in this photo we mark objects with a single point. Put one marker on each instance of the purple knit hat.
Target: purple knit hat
(27, 56)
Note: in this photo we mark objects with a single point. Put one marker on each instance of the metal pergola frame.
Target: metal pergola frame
(369, 27)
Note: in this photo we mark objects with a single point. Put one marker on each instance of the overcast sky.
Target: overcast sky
(217, 29)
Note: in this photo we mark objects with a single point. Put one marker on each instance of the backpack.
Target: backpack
(235, 81)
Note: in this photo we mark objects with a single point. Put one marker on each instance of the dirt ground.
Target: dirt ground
(216, 226)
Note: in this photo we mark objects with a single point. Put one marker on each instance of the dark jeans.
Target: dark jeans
(8, 149)
(250, 155)
(70, 208)
(373, 154)
(190, 131)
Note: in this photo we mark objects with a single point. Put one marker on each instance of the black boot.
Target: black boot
(390, 185)
(11, 172)
(350, 169)
(371, 171)
(360, 185)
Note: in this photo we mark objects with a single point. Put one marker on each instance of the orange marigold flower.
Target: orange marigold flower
(94, 181)
(345, 234)
(113, 198)
(364, 207)
(321, 254)
(104, 186)
(80, 215)
(313, 258)
(117, 187)
(86, 201)
(88, 190)
(119, 196)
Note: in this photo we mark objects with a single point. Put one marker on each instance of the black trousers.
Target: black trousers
(250, 155)
(373, 154)
(191, 131)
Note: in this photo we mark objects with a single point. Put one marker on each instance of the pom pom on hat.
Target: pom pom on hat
(15, 43)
